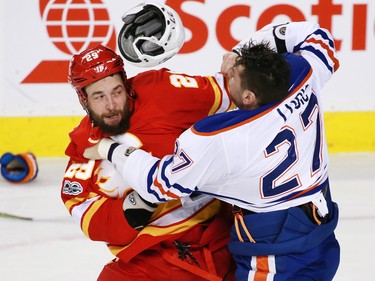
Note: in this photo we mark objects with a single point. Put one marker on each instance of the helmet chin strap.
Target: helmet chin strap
(83, 102)
(132, 94)
(84, 105)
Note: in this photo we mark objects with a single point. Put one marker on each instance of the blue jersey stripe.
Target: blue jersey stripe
(325, 36)
(320, 55)
(315, 51)
(180, 188)
(150, 182)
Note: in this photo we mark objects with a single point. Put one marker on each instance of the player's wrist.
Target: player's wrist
(106, 148)
(118, 153)
(109, 150)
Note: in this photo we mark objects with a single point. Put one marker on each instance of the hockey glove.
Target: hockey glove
(137, 210)
(99, 150)
(19, 168)
(108, 149)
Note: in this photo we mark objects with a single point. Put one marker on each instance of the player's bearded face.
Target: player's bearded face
(108, 104)
(114, 129)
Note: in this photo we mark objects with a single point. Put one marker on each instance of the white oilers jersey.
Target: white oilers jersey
(262, 160)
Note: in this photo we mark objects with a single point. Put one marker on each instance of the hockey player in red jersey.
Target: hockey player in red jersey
(174, 240)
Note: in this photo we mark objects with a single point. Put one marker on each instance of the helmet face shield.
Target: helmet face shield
(152, 33)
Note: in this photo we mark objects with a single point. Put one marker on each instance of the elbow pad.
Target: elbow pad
(19, 168)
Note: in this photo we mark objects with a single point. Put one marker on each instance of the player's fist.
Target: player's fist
(137, 210)
(228, 62)
(99, 150)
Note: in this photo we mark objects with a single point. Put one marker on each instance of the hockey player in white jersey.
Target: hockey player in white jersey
(268, 158)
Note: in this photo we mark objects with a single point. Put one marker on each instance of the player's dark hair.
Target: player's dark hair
(265, 72)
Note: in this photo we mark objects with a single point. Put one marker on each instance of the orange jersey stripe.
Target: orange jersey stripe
(162, 191)
(330, 53)
(262, 268)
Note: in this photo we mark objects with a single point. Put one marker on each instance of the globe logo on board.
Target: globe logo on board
(72, 26)
(75, 25)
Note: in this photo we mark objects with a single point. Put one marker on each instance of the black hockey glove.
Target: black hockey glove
(137, 210)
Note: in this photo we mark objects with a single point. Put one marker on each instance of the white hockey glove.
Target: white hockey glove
(137, 210)
(105, 149)
(100, 150)
(112, 151)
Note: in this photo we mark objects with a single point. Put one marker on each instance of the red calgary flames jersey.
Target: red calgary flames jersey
(167, 103)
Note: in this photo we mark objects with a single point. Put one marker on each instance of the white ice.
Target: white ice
(51, 247)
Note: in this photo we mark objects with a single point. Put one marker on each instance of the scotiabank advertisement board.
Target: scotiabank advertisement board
(39, 37)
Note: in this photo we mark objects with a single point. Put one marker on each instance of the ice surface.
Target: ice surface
(52, 247)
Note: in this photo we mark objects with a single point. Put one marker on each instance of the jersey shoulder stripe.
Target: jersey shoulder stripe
(218, 96)
(222, 102)
(225, 121)
(322, 46)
